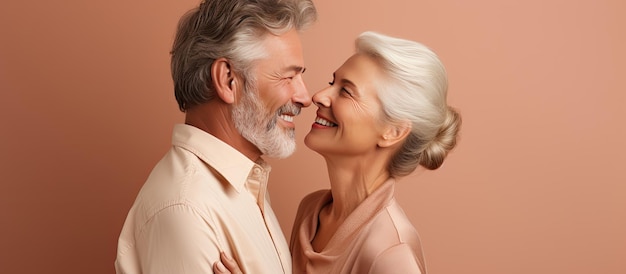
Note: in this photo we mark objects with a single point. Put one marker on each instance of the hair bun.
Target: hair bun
(445, 140)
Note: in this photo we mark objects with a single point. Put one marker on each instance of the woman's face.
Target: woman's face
(349, 112)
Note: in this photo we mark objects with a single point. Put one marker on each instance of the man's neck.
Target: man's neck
(215, 118)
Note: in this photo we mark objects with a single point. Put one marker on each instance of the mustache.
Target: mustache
(289, 108)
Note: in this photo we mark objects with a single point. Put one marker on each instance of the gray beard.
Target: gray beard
(261, 129)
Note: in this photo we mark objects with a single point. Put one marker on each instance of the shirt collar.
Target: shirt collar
(256, 183)
(226, 160)
(364, 212)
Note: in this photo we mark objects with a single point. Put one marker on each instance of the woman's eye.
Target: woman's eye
(343, 90)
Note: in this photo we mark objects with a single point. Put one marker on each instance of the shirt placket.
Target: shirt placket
(257, 185)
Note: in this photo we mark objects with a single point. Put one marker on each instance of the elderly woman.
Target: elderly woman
(383, 115)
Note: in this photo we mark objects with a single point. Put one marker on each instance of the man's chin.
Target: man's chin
(283, 150)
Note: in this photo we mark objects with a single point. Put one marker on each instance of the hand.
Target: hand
(226, 265)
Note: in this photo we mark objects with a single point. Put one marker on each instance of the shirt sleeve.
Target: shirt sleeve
(397, 259)
(177, 240)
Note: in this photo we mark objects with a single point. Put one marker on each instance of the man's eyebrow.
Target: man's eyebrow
(297, 69)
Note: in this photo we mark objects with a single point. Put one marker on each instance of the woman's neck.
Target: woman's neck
(352, 181)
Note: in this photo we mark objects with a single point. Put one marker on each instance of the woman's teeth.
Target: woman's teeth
(324, 122)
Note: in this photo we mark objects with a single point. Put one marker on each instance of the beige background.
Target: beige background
(537, 184)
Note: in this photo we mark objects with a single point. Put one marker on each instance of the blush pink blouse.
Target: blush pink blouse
(376, 238)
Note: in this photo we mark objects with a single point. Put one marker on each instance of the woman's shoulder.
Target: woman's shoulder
(312, 201)
(389, 235)
(315, 196)
(390, 227)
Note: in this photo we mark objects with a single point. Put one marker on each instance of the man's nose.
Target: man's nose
(301, 95)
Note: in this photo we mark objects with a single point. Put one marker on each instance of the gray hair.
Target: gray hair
(414, 90)
(232, 29)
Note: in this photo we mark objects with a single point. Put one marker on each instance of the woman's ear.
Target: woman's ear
(395, 134)
(223, 80)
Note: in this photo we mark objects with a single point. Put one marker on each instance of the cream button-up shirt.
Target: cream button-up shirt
(203, 197)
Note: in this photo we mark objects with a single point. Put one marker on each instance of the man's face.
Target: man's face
(264, 114)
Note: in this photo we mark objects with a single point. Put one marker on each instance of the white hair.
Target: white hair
(414, 90)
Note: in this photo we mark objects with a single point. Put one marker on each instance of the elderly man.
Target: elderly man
(237, 67)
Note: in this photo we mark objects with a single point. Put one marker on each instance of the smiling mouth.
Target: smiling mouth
(288, 118)
(324, 122)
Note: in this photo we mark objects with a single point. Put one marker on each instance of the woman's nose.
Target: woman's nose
(322, 98)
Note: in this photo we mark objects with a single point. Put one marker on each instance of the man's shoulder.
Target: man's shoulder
(179, 178)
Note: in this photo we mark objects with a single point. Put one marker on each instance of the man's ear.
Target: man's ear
(224, 80)
(394, 134)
